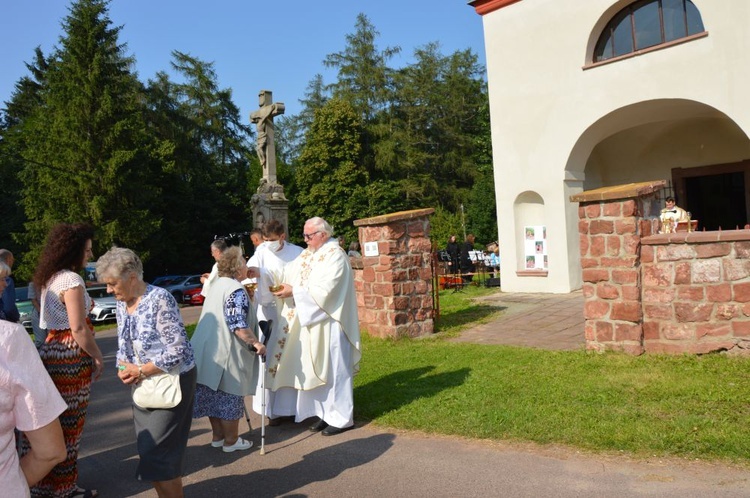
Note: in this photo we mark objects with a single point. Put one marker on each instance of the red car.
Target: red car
(193, 297)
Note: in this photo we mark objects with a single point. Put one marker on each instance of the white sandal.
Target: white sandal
(240, 444)
(217, 444)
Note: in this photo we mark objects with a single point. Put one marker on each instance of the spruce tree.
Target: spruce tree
(88, 156)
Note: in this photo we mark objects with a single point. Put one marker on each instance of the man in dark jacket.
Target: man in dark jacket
(467, 267)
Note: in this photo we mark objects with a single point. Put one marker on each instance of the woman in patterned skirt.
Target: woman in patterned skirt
(223, 340)
(70, 352)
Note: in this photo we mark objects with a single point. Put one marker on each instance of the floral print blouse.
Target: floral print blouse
(235, 310)
(154, 332)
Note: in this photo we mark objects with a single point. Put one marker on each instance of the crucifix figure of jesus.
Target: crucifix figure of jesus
(263, 119)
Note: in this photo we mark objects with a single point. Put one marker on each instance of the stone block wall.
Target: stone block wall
(696, 291)
(611, 279)
(394, 288)
(685, 292)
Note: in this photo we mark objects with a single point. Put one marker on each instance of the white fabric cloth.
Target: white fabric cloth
(210, 280)
(224, 361)
(53, 314)
(28, 401)
(283, 402)
(317, 349)
(674, 214)
(271, 265)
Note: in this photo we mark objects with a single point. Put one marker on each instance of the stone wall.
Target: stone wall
(611, 275)
(696, 291)
(659, 293)
(394, 287)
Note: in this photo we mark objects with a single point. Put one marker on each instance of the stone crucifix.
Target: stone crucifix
(263, 119)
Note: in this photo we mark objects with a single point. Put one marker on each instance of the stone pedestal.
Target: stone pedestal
(394, 288)
(269, 203)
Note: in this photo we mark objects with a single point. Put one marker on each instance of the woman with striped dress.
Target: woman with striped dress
(70, 353)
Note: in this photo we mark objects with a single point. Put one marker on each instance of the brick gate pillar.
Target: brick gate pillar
(611, 224)
(395, 291)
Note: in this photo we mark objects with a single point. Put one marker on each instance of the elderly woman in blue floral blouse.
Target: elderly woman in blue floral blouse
(152, 340)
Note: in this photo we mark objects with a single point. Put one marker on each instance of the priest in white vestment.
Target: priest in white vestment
(315, 347)
(671, 215)
(267, 265)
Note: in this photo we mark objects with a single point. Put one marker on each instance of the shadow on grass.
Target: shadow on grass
(398, 389)
(452, 319)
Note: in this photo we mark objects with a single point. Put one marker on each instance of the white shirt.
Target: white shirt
(270, 265)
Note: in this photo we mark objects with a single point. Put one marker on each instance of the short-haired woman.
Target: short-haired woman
(152, 340)
(223, 339)
(70, 353)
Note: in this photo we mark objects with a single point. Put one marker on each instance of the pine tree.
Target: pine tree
(209, 164)
(331, 180)
(364, 77)
(24, 101)
(88, 157)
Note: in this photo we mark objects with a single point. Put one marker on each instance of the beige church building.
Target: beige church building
(594, 93)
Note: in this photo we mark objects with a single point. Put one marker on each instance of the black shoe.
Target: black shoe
(332, 431)
(318, 426)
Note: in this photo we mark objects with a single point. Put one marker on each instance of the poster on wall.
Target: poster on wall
(535, 247)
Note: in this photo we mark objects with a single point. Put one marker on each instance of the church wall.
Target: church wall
(650, 151)
(543, 99)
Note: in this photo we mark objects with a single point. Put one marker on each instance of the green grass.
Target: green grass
(687, 406)
(459, 309)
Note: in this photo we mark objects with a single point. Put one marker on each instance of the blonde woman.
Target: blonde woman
(223, 341)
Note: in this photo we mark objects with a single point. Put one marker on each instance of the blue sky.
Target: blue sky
(274, 45)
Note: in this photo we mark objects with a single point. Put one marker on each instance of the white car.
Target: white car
(23, 303)
(104, 305)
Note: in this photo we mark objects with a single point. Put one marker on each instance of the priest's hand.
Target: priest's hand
(253, 272)
(286, 291)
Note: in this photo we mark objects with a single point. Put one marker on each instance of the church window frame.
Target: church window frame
(647, 25)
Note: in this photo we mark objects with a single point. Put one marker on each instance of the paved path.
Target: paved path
(372, 462)
(549, 321)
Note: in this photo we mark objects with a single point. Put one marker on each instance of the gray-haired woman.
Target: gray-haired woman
(151, 340)
(227, 369)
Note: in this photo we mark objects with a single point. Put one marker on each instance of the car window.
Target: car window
(96, 292)
(165, 281)
(196, 279)
(22, 294)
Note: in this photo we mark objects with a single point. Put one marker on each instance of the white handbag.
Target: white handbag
(159, 391)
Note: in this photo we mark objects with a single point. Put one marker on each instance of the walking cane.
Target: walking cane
(247, 416)
(265, 327)
(263, 405)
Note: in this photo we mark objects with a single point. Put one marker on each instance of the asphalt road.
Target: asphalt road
(374, 462)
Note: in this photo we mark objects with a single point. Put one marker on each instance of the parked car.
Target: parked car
(23, 303)
(104, 305)
(193, 297)
(166, 280)
(177, 287)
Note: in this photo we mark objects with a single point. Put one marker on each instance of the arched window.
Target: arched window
(645, 24)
